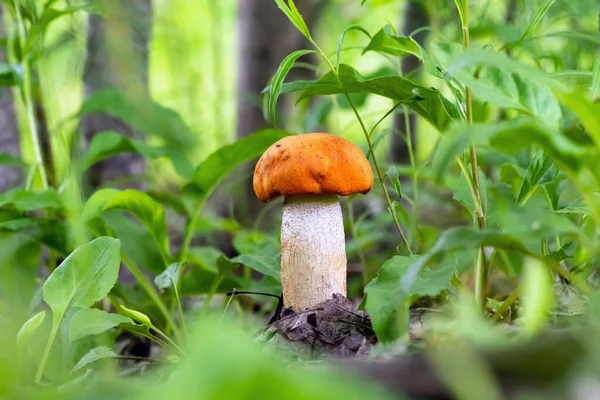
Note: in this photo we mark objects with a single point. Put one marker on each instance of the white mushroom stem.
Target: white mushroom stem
(313, 251)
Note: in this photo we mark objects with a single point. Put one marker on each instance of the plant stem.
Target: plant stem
(506, 304)
(189, 232)
(211, 292)
(40, 371)
(361, 255)
(28, 100)
(149, 289)
(370, 144)
(481, 266)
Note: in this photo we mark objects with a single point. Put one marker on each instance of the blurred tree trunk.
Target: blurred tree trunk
(117, 47)
(415, 17)
(9, 134)
(266, 37)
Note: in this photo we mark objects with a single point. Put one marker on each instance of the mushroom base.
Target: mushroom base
(313, 251)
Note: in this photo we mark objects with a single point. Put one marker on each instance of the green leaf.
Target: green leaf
(137, 316)
(385, 41)
(537, 296)
(536, 20)
(225, 265)
(508, 90)
(263, 261)
(146, 209)
(586, 111)
(29, 328)
(92, 321)
(206, 257)
(84, 277)
(40, 27)
(141, 113)
(25, 200)
(214, 168)
(595, 86)
(462, 11)
(278, 78)
(427, 102)
(294, 16)
(510, 137)
(109, 144)
(9, 159)
(169, 278)
(394, 177)
(343, 36)
(8, 75)
(386, 299)
(542, 169)
(93, 355)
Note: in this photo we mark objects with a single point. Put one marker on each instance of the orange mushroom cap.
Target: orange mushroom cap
(312, 164)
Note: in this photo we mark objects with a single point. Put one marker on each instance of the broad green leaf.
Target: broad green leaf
(8, 75)
(109, 144)
(25, 200)
(509, 90)
(586, 111)
(210, 172)
(277, 81)
(385, 41)
(479, 57)
(461, 238)
(427, 102)
(294, 16)
(510, 137)
(137, 316)
(595, 86)
(385, 296)
(394, 177)
(169, 279)
(537, 296)
(265, 262)
(84, 277)
(11, 160)
(541, 170)
(93, 355)
(206, 257)
(146, 209)
(343, 36)
(141, 113)
(92, 321)
(29, 328)
(226, 265)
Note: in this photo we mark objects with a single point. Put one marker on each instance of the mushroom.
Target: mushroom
(310, 171)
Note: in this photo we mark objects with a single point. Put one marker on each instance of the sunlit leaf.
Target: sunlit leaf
(537, 296)
(212, 170)
(140, 113)
(294, 16)
(427, 102)
(109, 144)
(385, 41)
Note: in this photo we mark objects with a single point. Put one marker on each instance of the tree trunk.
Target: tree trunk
(266, 37)
(415, 16)
(117, 47)
(9, 133)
